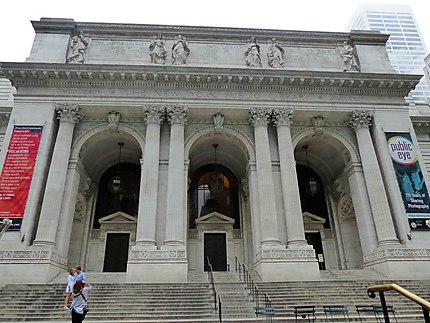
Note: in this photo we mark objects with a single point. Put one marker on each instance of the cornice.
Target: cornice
(43, 74)
(59, 25)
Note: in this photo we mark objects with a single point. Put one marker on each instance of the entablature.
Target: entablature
(43, 74)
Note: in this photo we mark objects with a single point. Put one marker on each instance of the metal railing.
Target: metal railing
(217, 296)
(425, 305)
(255, 292)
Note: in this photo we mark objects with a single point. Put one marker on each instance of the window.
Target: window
(206, 195)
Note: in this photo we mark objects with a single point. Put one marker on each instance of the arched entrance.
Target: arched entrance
(104, 229)
(329, 218)
(218, 216)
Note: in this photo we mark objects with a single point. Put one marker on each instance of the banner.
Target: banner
(410, 179)
(17, 173)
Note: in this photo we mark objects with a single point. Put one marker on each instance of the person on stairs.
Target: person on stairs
(69, 287)
(79, 307)
(79, 275)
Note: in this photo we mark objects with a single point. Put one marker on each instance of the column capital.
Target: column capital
(360, 119)
(282, 117)
(177, 114)
(68, 113)
(259, 116)
(154, 114)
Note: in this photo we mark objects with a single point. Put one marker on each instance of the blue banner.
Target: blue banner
(410, 179)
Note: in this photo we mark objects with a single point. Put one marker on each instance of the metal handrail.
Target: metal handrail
(217, 296)
(251, 285)
(425, 305)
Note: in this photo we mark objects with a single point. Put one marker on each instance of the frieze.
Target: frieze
(288, 254)
(289, 94)
(157, 254)
(395, 253)
(8, 256)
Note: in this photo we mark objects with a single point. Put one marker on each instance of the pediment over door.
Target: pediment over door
(215, 221)
(118, 217)
(118, 222)
(313, 222)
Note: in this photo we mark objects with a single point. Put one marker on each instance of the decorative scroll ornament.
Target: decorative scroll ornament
(157, 51)
(360, 119)
(154, 114)
(177, 114)
(318, 123)
(244, 185)
(218, 120)
(77, 49)
(113, 119)
(275, 54)
(68, 113)
(282, 117)
(259, 117)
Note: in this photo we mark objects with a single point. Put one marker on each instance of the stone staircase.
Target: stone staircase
(113, 300)
(286, 295)
(189, 302)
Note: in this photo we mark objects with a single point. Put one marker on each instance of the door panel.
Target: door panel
(216, 251)
(116, 254)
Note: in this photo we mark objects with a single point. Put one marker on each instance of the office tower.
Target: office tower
(405, 47)
(427, 68)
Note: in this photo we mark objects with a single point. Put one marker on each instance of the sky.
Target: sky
(16, 31)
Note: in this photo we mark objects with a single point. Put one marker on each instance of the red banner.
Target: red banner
(18, 170)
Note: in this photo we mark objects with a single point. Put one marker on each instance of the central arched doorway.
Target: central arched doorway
(218, 211)
(214, 197)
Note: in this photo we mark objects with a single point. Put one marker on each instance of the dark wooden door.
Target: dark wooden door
(116, 254)
(216, 251)
(314, 239)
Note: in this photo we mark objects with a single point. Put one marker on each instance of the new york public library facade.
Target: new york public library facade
(155, 147)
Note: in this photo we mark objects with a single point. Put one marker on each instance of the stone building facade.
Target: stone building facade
(164, 146)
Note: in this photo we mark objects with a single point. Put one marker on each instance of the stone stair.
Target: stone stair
(191, 302)
(286, 295)
(236, 300)
(113, 300)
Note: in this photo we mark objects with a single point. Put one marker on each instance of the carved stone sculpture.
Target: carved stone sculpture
(157, 51)
(275, 54)
(349, 58)
(218, 120)
(113, 119)
(252, 54)
(318, 123)
(77, 49)
(180, 51)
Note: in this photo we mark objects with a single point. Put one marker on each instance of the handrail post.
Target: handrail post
(426, 315)
(384, 307)
(219, 309)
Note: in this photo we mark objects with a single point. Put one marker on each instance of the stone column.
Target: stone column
(360, 122)
(255, 209)
(266, 193)
(177, 117)
(146, 225)
(54, 189)
(290, 187)
(390, 179)
(68, 207)
(363, 212)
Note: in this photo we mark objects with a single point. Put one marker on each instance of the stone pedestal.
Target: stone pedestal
(286, 264)
(157, 266)
(30, 266)
(400, 263)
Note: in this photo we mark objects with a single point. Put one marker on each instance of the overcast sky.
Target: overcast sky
(16, 32)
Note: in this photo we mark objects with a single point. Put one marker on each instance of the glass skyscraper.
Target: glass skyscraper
(405, 47)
